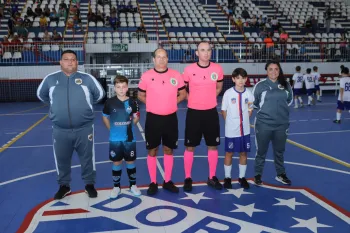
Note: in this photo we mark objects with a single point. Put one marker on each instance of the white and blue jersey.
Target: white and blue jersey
(120, 115)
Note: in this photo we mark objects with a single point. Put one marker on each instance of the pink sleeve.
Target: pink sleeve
(181, 83)
(220, 74)
(143, 83)
(185, 76)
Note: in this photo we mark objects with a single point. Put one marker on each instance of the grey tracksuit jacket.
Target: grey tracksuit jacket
(272, 122)
(71, 102)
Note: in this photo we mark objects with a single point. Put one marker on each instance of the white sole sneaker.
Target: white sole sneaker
(280, 180)
(115, 192)
(135, 190)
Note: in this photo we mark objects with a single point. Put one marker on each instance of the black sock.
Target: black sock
(116, 177)
(132, 175)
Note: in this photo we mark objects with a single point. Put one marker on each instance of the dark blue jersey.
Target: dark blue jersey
(120, 115)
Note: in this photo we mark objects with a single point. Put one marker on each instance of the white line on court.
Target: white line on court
(176, 156)
(144, 139)
(103, 143)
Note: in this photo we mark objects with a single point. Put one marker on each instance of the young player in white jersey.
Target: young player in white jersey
(344, 94)
(236, 108)
(298, 82)
(317, 77)
(310, 86)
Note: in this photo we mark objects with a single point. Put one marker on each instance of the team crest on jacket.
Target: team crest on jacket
(280, 87)
(233, 100)
(214, 76)
(90, 137)
(173, 81)
(298, 210)
(78, 81)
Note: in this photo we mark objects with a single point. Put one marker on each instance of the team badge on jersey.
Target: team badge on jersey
(90, 136)
(129, 110)
(173, 81)
(246, 100)
(252, 211)
(112, 153)
(280, 87)
(233, 100)
(214, 76)
(78, 81)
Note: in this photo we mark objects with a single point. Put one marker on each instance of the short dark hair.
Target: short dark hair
(120, 79)
(68, 51)
(239, 72)
(345, 70)
(315, 68)
(308, 70)
(298, 68)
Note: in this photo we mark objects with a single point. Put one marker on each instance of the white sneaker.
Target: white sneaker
(135, 190)
(115, 192)
(296, 106)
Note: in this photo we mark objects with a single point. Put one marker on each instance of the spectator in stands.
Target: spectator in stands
(269, 46)
(43, 22)
(165, 15)
(263, 33)
(239, 24)
(99, 17)
(26, 22)
(275, 24)
(16, 43)
(73, 9)
(314, 24)
(328, 18)
(77, 3)
(30, 12)
(47, 11)
(38, 10)
(56, 36)
(113, 10)
(14, 8)
(114, 21)
(253, 22)
(10, 26)
(245, 14)
(343, 50)
(63, 12)
(5, 45)
(63, 5)
(54, 16)
(46, 36)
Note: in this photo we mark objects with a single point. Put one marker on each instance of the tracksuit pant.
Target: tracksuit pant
(277, 134)
(65, 141)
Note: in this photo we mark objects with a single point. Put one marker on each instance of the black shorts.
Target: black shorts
(161, 129)
(199, 123)
(122, 150)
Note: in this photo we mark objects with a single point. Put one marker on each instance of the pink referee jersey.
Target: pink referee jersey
(161, 90)
(202, 85)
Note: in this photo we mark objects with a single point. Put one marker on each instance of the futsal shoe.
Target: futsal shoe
(228, 183)
(63, 191)
(188, 185)
(135, 190)
(257, 180)
(152, 189)
(170, 187)
(214, 183)
(115, 192)
(283, 179)
(244, 183)
(337, 121)
(90, 190)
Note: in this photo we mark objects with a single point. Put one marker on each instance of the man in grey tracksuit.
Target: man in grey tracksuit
(71, 95)
(272, 100)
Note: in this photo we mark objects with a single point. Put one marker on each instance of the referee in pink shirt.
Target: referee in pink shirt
(204, 80)
(161, 89)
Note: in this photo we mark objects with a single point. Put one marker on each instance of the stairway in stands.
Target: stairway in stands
(151, 19)
(78, 36)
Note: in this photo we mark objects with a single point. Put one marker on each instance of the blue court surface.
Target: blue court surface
(317, 161)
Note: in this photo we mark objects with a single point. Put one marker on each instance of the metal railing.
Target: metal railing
(260, 52)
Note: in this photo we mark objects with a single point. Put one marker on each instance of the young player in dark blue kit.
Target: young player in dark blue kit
(119, 115)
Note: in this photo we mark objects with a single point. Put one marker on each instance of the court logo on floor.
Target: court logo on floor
(257, 210)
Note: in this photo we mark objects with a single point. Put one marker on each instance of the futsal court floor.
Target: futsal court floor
(317, 160)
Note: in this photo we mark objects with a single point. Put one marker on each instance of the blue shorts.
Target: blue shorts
(344, 105)
(310, 91)
(297, 91)
(238, 144)
(122, 150)
(317, 87)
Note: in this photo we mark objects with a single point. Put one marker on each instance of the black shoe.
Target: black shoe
(152, 189)
(90, 190)
(244, 183)
(228, 183)
(63, 191)
(337, 121)
(257, 180)
(283, 179)
(188, 185)
(170, 187)
(214, 183)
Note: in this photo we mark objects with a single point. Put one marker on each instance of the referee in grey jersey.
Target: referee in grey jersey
(71, 95)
